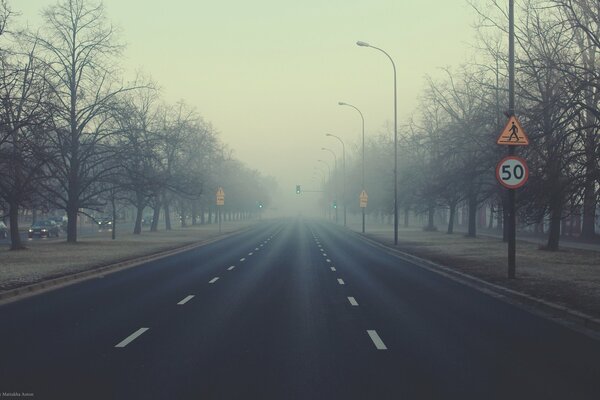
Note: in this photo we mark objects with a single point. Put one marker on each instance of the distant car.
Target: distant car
(105, 223)
(3, 230)
(45, 228)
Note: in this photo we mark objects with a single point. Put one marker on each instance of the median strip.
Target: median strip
(132, 337)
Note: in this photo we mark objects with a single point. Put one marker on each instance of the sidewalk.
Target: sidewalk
(569, 278)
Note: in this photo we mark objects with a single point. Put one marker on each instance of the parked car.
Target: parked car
(3, 230)
(45, 228)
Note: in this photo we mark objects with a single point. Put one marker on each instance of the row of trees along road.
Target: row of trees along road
(76, 137)
(447, 152)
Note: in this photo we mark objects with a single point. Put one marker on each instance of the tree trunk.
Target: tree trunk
(155, 217)
(202, 216)
(590, 201)
(167, 213)
(72, 213)
(431, 219)
(452, 207)
(406, 215)
(137, 229)
(113, 233)
(194, 213)
(472, 231)
(555, 224)
(15, 237)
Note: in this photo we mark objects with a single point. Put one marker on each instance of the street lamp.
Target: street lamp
(343, 172)
(335, 180)
(364, 44)
(341, 103)
(329, 169)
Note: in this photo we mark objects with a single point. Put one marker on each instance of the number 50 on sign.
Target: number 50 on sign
(512, 172)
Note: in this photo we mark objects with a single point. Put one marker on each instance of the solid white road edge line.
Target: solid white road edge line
(213, 280)
(376, 340)
(132, 337)
(182, 302)
(353, 301)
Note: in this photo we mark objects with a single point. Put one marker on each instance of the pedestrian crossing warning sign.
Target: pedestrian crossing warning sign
(513, 134)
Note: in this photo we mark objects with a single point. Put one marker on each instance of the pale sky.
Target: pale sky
(268, 74)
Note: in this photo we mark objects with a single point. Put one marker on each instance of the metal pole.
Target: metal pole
(343, 172)
(329, 168)
(335, 186)
(512, 218)
(359, 43)
(363, 157)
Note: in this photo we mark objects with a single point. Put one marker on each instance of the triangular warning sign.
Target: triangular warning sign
(513, 134)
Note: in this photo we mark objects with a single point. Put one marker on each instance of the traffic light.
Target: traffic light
(260, 205)
(298, 191)
(335, 204)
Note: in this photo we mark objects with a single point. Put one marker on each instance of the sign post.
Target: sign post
(363, 199)
(220, 203)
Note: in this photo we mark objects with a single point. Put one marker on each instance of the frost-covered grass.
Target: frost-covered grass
(44, 259)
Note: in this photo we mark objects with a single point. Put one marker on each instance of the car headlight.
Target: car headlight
(44, 230)
(30, 230)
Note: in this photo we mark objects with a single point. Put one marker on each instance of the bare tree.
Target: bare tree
(79, 53)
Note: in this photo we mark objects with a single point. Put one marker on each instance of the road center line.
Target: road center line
(213, 280)
(377, 340)
(182, 302)
(132, 337)
(230, 268)
(341, 281)
(353, 301)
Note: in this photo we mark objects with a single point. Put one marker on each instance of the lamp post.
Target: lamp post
(341, 103)
(343, 172)
(335, 186)
(363, 44)
(329, 169)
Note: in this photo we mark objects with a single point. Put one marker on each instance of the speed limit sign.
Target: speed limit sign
(512, 172)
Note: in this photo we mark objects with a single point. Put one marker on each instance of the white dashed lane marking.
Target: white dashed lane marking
(341, 281)
(132, 337)
(377, 340)
(230, 268)
(250, 253)
(328, 260)
(353, 301)
(182, 302)
(213, 280)
(333, 269)
(242, 259)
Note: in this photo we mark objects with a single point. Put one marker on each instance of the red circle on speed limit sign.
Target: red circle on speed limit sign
(512, 172)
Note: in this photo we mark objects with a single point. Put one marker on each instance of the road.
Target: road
(290, 309)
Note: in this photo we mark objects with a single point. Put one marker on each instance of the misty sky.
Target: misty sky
(268, 74)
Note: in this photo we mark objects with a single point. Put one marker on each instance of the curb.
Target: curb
(572, 318)
(22, 292)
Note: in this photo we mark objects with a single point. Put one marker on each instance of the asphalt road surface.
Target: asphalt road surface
(290, 309)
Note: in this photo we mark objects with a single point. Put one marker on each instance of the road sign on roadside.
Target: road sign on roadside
(363, 199)
(220, 197)
(513, 134)
(512, 172)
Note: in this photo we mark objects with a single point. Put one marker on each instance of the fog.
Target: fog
(269, 74)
